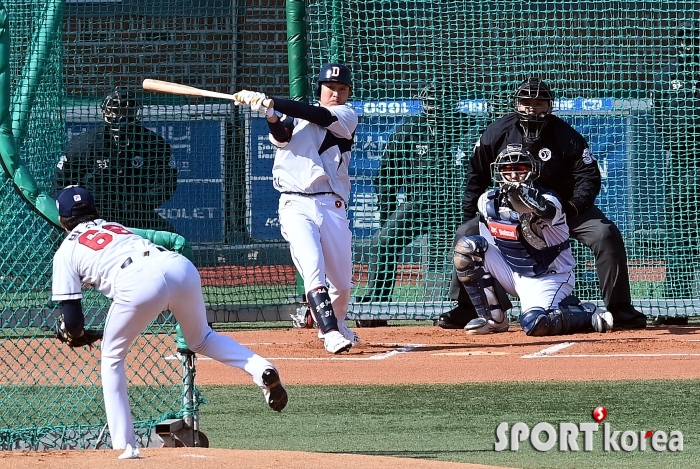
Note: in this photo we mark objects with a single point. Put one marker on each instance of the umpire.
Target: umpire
(569, 169)
(128, 168)
(676, 105)
(419, 161)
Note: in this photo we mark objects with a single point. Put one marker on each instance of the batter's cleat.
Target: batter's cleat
(130, 453)
(348, 333)
(602, 321)
(626, 317)
(335, 343)
(275, 394)
(456, 318)
(486, 326)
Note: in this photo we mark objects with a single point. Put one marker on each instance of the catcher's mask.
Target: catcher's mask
(437, 101)
(120, 109)
(533, 92)
(514, 165)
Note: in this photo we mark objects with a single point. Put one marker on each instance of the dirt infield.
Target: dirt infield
(406, 355)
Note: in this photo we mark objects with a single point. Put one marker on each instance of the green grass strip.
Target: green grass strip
(456, 422)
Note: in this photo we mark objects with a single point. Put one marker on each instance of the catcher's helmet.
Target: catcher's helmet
(533, 122)
(515, 165)
(333, 72)
(120, 107)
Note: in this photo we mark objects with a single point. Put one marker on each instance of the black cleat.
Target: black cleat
(456, 318)
(275, 394)
(371, 323)
(627, 317)
(670, 321)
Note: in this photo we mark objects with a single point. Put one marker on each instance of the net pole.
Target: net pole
(296, 49)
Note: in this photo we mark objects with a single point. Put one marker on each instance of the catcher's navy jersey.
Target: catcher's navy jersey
(553, 232)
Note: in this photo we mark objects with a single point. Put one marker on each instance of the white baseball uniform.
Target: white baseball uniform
(546, 290)
(311, 172)
(142, 279)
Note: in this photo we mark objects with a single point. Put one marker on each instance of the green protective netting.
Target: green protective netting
(64, 58)
(600, 58)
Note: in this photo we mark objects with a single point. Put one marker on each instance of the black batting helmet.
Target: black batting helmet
(336, 72)
(120, 107)
(533, 88)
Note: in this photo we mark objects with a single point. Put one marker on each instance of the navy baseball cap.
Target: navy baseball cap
(69, 197)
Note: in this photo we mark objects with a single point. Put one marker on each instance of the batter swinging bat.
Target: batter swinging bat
(176, 88)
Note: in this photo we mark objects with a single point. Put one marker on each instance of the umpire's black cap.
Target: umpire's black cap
(74, 201)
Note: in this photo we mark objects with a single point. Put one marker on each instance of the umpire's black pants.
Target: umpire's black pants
(594, 230)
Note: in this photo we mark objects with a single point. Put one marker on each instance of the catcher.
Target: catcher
(523, 249)
(143, 279)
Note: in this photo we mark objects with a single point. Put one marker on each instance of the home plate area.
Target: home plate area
(428, 354)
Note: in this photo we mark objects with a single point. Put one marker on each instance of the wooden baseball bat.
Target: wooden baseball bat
(176, 88)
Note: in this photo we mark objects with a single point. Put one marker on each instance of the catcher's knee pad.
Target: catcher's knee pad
(320, 303)
(537, 322)
(469, 254)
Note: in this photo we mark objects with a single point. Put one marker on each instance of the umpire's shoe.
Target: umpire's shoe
(457, 317)
(274, 392)
(670, 321)
(626, 317)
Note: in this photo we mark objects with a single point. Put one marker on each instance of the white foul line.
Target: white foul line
(378, 356)
(603, 355)
(549, 351)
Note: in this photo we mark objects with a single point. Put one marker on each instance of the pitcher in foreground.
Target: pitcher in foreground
(142, 279)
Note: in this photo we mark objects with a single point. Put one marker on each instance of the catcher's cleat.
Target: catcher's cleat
(601, 320)
(274, 392)
(486, 326)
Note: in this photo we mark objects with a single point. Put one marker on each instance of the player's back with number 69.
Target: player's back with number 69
(142, 279)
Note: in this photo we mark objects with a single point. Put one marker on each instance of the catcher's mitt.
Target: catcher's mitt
(527, 199)
(88, 337)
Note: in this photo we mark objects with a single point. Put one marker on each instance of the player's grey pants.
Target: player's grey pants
(145, 288)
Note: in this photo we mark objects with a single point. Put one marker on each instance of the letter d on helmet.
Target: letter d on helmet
(335, 72)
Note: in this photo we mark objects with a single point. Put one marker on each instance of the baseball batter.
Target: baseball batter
(523, 249)
(311, 173)
(142, 279)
